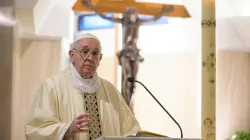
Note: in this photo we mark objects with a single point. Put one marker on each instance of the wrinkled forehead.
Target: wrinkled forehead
(88, 43)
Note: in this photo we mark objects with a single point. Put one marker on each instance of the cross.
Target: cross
(119, 6)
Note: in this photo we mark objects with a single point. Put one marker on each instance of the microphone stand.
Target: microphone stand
(161, 106)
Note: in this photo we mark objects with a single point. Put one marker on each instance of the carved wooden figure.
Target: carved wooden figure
(129, 57)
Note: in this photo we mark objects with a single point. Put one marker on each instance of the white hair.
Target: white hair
(82, 36)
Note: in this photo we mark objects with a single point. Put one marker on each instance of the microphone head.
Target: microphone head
(131, 79)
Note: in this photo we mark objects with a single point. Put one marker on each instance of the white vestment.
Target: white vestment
(58, 102)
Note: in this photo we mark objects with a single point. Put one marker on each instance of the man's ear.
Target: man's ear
(71, 55)
(100, 57)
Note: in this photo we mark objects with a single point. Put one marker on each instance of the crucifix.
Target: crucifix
(129, 57)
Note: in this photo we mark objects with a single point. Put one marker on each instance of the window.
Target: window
(162, 20)
(94, 22)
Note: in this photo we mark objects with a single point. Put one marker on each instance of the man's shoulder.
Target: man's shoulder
(57, 78)
(107, 83)
(110, 88)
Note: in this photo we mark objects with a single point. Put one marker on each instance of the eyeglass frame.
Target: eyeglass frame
(89, 52)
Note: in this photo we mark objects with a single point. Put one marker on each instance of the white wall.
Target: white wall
(232, 67)
(232, 25)
(171, 70)
(179, 35)
(173, 79)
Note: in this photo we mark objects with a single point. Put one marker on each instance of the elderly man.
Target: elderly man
(77, 104)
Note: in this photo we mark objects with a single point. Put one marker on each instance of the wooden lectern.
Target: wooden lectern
(141, 138)
(144, 135)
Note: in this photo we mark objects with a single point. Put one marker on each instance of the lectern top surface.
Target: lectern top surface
(143, 138)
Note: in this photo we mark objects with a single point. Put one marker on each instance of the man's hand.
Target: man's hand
(79, 125)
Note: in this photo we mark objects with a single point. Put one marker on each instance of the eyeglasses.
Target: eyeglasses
(84, 53)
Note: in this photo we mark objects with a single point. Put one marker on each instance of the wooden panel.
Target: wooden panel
(143, 8)
(232, 93)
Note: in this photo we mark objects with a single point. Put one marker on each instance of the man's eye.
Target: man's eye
(85, 51)
(95, 53)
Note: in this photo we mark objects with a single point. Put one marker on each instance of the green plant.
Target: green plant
(241, 136)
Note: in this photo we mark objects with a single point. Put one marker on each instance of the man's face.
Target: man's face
(86, 56)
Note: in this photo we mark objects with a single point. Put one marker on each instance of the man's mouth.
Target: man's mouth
(89, 65)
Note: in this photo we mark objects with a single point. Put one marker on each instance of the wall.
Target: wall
(233, 93)
(36, 60)
(173, 79)
(171, 71)
(232, 68)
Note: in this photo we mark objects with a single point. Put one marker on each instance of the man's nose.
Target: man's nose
(89, 56)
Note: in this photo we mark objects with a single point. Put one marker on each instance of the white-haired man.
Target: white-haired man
(76, 104)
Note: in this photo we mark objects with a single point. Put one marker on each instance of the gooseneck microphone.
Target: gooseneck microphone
(131, 79)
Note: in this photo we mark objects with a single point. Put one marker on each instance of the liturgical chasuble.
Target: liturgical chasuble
(57, 103)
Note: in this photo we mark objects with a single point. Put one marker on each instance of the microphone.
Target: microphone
(131, 80)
